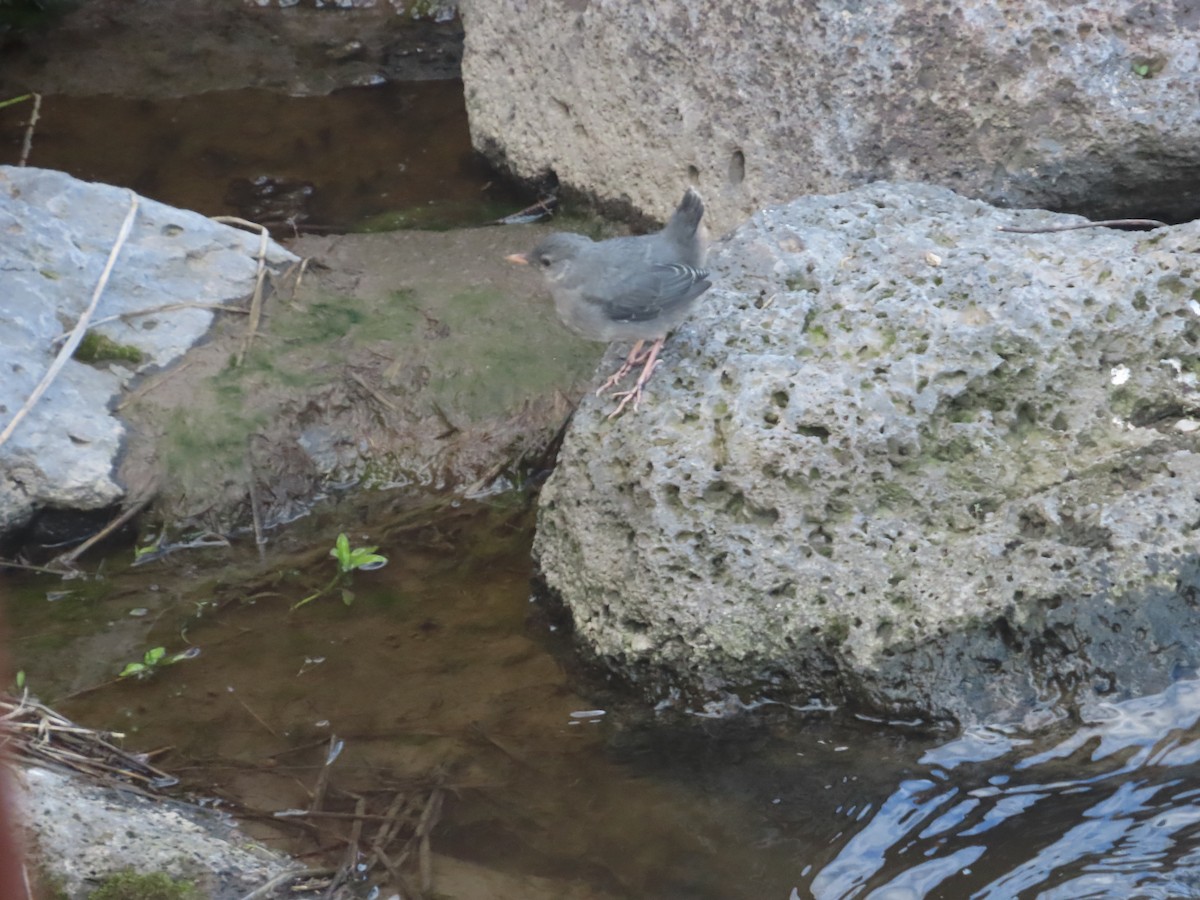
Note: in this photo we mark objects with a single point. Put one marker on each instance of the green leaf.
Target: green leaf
(347, 596)
(363, 557)
(134, 668)
(341, 552)
(154, 656)
(20, 679)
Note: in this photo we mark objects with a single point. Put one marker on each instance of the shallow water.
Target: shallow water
(395, 155)
(443, 669)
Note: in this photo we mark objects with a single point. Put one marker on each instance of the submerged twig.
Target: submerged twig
(540, 210)
(65, 559)
(266, 889)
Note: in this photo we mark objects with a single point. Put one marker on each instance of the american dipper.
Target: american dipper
(626, 288)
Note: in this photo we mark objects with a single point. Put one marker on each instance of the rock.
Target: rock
(1044, 104)
(58, 233)
(81, 833)
(901, 460)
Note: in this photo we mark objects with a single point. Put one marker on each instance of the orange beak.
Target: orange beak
(519, 258)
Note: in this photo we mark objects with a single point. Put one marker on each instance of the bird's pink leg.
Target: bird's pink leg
(635, 393)
(631, 360)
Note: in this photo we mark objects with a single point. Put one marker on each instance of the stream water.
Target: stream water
(443, 673)
(445, 669)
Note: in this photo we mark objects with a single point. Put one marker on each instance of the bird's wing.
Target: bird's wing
(654, 291)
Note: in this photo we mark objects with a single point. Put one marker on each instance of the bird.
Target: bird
(626, 288)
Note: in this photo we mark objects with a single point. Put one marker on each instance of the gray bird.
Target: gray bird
(626, 288)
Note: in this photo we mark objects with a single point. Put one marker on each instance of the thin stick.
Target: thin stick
(256, 300)
(257, 717)
(27, 145)
(429, 819)
(382, 400)
(152, 385)
(300, 276)
(80, 327)
(166, 307)
(255, 502)
(10, 564)
(293, 875)
(1107, 223)
(104, 532)
(318, 794)
(323, 814)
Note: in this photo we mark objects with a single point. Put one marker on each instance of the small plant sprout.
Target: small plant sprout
(154, 659)
(348, 559)
(364, 558)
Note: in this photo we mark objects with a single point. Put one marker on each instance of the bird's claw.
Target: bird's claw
(634, 394)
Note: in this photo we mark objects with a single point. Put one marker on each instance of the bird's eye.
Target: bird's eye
(545, 261)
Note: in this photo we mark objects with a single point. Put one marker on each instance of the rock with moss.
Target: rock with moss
(172, 270)
(901, 460)
(130, 885)
(90, 841)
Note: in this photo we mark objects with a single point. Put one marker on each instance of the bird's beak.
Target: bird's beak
(519, 258)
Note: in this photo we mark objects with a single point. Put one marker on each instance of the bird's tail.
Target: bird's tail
(686, 218)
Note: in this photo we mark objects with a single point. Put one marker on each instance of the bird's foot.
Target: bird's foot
(635, 358)
(634, 394)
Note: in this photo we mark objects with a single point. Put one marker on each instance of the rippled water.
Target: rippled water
(1108, 811)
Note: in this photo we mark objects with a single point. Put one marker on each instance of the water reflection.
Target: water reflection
(1108, 812)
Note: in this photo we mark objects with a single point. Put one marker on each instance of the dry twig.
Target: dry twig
(27, 144)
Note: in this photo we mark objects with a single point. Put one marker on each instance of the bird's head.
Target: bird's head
(554, 255)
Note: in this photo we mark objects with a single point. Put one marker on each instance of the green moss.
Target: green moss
(801, 281)
(130, 885)
(954, 450)
(837, 631)
(894, 496)
(96, 348)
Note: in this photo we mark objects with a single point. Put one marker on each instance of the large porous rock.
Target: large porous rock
(173, 269)
(1064, 106)
(901, 459)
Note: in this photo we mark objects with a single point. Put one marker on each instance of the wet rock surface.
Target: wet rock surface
(1030, 105)
(902, 460)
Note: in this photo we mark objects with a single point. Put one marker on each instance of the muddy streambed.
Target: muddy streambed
(445, 673)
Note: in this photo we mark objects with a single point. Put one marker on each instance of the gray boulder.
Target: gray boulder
(1066, 106)
(902, 460)
(58, 234)
(80, 833)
